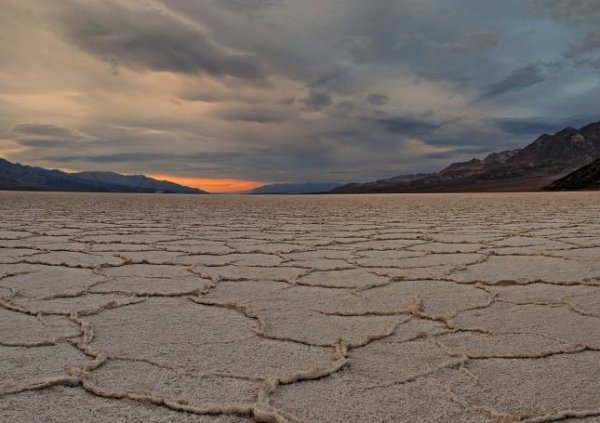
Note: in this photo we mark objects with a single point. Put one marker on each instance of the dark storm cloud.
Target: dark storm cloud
(523, 77)
(147, 37)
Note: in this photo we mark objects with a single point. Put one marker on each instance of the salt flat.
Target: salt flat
(397, 308)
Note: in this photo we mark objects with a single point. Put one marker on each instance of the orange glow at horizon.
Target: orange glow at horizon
(211, 184)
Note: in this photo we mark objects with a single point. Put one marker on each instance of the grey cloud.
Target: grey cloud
(520, 78)
(525, 126)
(407, 125)
(40, 134)
(142, 157)
(377, 99)
(255, 114)
(42, 129)
(578, 15)
(248, 6)
(146, 37)
(316, 101)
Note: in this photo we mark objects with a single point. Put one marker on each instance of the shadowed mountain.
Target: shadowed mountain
(301, 188)
(136, 182)
(14, 176)
(586, 177)
(546, 159)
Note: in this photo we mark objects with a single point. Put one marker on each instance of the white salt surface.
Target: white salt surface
(391, 308)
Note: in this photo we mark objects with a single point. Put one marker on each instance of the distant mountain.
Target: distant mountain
(586, 177)
(136, 182)
(546, 159)
(301, 188)
(14, 176)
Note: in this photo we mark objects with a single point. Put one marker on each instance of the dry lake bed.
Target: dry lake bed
(390, 308)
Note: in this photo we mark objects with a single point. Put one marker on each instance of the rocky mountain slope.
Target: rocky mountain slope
(586, 177)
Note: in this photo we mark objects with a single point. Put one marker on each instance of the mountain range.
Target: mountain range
(14, 176)
(536, 166)
(298, 188)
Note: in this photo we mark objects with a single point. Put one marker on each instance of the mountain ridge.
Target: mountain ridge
(15, 176)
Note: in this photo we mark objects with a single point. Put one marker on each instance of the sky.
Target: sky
(230, 94)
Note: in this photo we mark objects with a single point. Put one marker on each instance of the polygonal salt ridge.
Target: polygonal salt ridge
(147, 271)
(526, 241)
(41, 281)
(577, 253)
(586, 240)
(155, 257)
(316, 254)
(456, 238)
(436, 299)
(264, 248)
(128, 238)
(20, 329)
(75, 405)
(249, 259)
(241, 273)
(336, 399)
(74, 259)
(441, 247)
(23, 366)
(197, 247)
(122, 248)
(200, 338)
(541, 293)
(279, 308)
(585, 303)
(346, 278)
(414, 273)
(526, 269)
(427, 260)
(473, 344)
(320, 264)
(7, 234)
(561, 322)
(83, 304)
(15, 255)
(512, 387)
(183, 385)
(394, 244)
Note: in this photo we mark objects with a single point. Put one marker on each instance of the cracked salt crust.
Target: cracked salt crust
(434, 308)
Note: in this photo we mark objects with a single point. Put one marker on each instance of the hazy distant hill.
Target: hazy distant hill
(586, 177)
(546, 159)
(301, 188)
(14, 176)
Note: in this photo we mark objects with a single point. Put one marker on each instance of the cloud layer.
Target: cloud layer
(289, 90)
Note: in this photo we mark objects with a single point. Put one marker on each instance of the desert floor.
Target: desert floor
(397, 308)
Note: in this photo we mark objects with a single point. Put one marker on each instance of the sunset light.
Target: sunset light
(210, 184)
